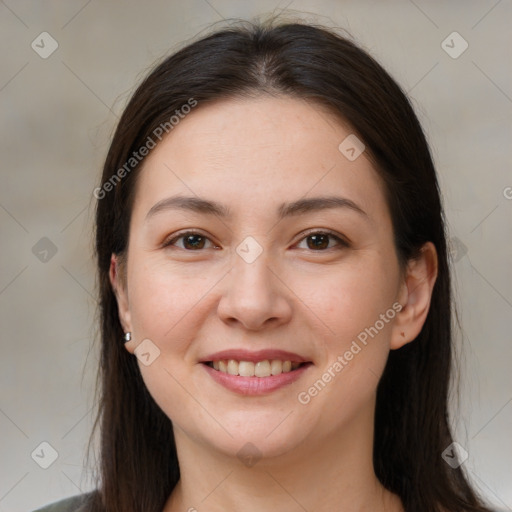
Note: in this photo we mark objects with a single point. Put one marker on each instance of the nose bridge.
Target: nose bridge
(251, 272)
(253, 294)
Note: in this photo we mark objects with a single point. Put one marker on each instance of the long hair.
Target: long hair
(138, 466)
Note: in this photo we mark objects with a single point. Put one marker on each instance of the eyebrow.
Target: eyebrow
(208, 207)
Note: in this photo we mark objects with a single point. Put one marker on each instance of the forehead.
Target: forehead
(265, 149)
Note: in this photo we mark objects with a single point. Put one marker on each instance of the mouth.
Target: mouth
(258, 369)
(255, 373)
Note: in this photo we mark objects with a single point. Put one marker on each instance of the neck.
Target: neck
(332, 473)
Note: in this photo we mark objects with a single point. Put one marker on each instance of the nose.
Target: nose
(254, 296)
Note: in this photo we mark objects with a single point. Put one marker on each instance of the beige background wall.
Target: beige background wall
(57, 114)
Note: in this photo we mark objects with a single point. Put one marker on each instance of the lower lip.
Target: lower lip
(255, 385)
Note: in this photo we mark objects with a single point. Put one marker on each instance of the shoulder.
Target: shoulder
(73, 504)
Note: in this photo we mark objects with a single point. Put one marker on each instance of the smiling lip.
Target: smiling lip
(255, 385)
(254, 357)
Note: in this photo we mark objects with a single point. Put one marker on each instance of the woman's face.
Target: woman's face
(279, 249)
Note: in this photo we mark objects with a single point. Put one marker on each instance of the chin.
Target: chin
(258, 447)
(273, 435)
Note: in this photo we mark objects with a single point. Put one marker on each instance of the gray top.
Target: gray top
(73, 504)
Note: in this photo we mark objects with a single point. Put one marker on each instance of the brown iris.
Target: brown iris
(193, 241)
(320, 241)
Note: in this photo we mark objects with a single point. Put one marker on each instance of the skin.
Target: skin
(252, 155)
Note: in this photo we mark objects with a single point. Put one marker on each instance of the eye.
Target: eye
(320, 240)
(192, 241)
(317, 241)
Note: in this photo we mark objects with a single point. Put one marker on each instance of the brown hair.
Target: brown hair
(138, 463)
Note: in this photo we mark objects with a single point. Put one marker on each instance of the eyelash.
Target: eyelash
(341, 242)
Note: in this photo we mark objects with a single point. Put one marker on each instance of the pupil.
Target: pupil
(196, 245)
(318, 243)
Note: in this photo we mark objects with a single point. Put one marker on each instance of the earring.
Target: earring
(127, 336)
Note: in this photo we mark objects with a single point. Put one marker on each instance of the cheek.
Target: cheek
(350, 298)
(350, 302)
(161, 298)
(164, 307)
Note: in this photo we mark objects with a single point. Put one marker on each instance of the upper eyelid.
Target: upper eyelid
(315, 231)
(173, 238)
(190, 231)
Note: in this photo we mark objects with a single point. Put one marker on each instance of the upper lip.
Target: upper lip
(254, 356)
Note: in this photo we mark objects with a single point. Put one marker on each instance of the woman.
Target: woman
(274, 287)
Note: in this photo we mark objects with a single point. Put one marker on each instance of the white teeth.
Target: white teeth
(232, 367)
(276, 367)
(264, 368)
(246, 369)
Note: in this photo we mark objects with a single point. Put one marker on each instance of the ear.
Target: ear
(414, 296)
(117, 277)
